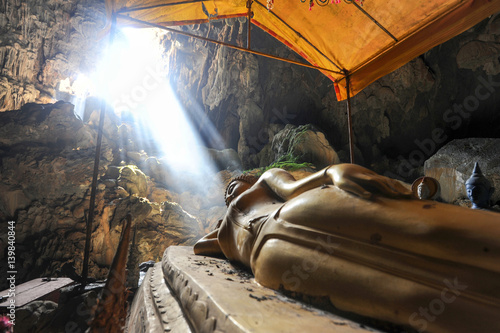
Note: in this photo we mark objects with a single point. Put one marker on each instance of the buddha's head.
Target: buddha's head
(237, 186)
(479, 189)
(425, 188)
(423, 191)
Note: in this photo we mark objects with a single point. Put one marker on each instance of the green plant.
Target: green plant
(287, 162)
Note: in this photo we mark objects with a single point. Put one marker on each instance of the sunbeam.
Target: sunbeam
(133, 80)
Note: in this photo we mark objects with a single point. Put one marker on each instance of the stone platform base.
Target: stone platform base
(189, 293)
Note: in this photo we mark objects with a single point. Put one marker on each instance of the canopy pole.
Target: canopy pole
(249, 23)
(276, 17)
(128, 10)
(349, 118)
(374, 20)
(226, 44)
(93, 190)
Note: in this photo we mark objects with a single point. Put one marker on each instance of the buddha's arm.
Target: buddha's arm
(364, 182)
(348, 177)
(284, 185)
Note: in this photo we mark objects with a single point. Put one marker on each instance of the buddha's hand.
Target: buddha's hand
(364, 182)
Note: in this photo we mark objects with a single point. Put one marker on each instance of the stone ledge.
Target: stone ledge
(216, 297)
(154, 308)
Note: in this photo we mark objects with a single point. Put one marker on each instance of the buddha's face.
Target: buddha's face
(234, 189)
(423, 191)
(479, 196)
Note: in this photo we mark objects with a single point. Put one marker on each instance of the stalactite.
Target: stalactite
(41, 44)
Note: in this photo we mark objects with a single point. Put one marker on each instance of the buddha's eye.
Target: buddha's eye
(231, 189)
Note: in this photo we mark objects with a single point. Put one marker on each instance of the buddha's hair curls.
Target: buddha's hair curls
(249, 179)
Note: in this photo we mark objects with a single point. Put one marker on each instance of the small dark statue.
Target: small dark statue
(479, 189)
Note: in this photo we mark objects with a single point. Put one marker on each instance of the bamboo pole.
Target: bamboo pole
(349, 117)
(93, 190)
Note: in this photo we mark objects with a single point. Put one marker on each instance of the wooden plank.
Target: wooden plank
(33, 290)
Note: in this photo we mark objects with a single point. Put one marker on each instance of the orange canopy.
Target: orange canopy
(364, 42)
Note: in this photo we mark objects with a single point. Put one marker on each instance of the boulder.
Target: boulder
(34, 316)
(133, 180)
(452, 165)
(66, 319)
(300, 144)
(12, 199)
(157, 170)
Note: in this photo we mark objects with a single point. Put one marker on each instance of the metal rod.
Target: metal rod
(93, 190)
(374, 20)
(128, 10)
(227, 45)
(249, 23)
(300, 35)
(349, 118)
(90, 219)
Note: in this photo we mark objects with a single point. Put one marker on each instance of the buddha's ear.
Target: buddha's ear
(208, 245)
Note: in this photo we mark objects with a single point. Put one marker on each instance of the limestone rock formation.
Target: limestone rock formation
(249, 98)
(44, 42)
(35, 315)
(133, 180)
(47, 159)
(242, 95)
(452, 165)
(299, 144)
(73, 312)
(46, 152)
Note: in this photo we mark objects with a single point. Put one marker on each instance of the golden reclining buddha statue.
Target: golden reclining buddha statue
(363, 241)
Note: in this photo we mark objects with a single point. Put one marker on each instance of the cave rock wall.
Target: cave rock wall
(43, 42)
(402, 119)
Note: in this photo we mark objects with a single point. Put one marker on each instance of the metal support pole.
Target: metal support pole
(90, 219)
(183, 33)
(349, 118)
(249, 23)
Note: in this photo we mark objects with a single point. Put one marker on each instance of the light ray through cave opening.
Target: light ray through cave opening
(133, 80)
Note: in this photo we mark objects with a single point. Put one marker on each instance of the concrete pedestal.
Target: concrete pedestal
(189, 293)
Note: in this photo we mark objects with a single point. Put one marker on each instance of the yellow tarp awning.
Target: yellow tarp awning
(366, 42)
